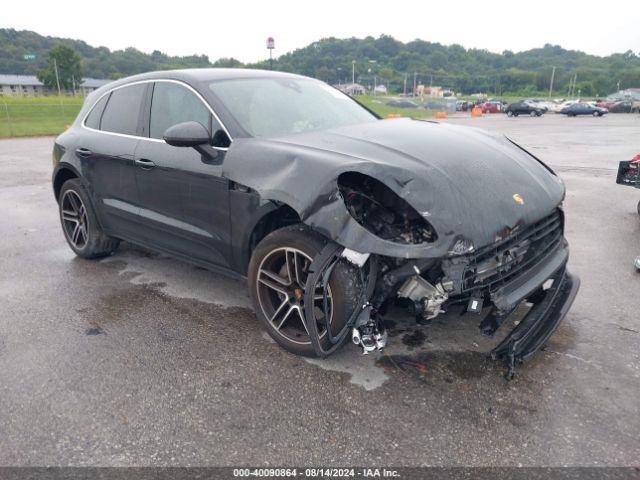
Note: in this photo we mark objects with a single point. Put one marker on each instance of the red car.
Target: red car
(491, 107)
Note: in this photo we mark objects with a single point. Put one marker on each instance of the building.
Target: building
(432, 91)
(29, 85)
(21, 85)
(380, 90)
(352, 89)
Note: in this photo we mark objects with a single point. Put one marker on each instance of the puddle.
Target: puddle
(179, 279)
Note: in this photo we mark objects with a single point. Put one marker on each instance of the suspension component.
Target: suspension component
(368, 331)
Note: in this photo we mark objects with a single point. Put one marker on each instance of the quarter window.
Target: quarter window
(93, 119)
(122, 113)
(172, 104)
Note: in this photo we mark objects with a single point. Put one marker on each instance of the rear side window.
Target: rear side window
(122, 113)
(93, 119)
(171, 104)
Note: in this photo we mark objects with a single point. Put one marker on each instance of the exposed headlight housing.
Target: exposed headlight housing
(382, 212)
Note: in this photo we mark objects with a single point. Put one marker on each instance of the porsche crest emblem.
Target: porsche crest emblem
(518, 199)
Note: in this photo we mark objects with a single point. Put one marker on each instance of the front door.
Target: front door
(184, 202)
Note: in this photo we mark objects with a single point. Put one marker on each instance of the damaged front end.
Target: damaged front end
(525, 264)
(433, 215)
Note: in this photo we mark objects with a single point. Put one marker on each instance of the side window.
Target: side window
(122, 113)
(171, 104)
(93, 119)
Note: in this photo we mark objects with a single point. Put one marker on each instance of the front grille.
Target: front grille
(515, 255)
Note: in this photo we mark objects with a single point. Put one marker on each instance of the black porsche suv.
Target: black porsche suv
(330, 212)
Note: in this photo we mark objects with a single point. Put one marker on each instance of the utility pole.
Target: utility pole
(405, 84)
(353, 72)
(415, 74)
(553, 74)
(375, 85)
(55, 69)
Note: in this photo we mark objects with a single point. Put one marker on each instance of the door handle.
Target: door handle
(83, 152)
(144, 163)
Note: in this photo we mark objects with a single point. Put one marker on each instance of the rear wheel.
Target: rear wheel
(596, 114)
(277, 276)
(79, 223)
(534, 113)
(509, 113)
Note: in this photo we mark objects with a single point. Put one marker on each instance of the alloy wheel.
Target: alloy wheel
(280, 287)
(74, 219)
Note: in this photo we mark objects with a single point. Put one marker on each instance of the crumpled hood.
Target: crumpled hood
(462, 180)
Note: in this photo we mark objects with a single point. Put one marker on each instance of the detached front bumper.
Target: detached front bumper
(549, 308)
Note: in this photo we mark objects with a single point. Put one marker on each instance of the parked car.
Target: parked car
(328, 211)
(491, 107)
(623, 106)
(523, 108)
(583, 109)
(462, 106)
(560, 105)
(541, 104)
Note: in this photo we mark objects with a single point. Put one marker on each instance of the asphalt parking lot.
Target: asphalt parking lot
(139, 359)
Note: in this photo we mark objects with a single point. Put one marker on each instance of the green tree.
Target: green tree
(227, 62)
(67, 62)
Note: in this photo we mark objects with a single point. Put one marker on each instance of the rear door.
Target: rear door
(113, 132)
(184, 201)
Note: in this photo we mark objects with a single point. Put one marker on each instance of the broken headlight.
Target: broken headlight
(382, 212)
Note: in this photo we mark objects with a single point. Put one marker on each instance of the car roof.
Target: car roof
(198, 75)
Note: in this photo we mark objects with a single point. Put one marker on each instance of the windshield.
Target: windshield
(271, 107)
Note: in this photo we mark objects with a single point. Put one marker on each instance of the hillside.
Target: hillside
(466, 70)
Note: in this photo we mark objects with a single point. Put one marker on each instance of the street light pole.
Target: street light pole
(353, 72)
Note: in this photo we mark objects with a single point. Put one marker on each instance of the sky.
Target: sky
(239, 28)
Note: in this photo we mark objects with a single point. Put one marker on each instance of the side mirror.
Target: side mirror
(187, 134)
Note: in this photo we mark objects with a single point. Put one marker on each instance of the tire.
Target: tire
(534, 113)
(80, 224)
(509, 113)
(302, 244)
(596, 114)
(515, 114)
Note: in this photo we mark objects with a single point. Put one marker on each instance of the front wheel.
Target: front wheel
(277, 277)
(534, 113)
(509, 113)
(79, 223)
